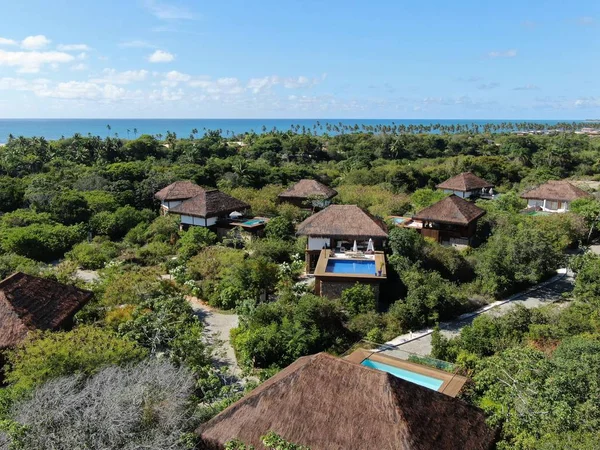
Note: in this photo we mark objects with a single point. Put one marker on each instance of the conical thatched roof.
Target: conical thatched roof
(30, 303)
(464, 182)
(327, 403)
(343, 222)
(305, 189)
(209, 203)
(452, 210)
(560, 190)
(180, 190)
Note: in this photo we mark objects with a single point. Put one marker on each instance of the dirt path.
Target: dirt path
(218, 325)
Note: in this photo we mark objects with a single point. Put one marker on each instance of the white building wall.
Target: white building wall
(198, 221)
(170, 204)
(460, 194)
(317, 243)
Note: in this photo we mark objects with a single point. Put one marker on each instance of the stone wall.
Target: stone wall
(334, 289)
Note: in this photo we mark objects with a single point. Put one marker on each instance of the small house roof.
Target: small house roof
(556, 190)
(464, 182)
(451, 210)
(304, 189)
(329, 403)
(343, 222)
(30, 303)
(209, 203)
(180, 190)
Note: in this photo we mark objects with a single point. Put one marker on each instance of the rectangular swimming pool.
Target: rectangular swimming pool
(399, 220)
(413, 377)
(350, 266)
(253, 222)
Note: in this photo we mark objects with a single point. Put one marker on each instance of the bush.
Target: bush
(153, 253)
(280, 228)
(277, 334)
(70, 207)
(41, 242)
(358, 299)
(193, 240)
(85, 350)
(143, 406)
(93, 255)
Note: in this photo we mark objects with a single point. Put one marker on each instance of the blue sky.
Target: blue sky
(300, 59)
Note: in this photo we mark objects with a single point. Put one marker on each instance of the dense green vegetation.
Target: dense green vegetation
(87, 203)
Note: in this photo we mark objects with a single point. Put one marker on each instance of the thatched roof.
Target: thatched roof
(327, 403)
(30, 303)
(305, 189)
(464, 182)
(451, 210)
(209, 203)
(180, 190)
(557, 191)
(343, 222)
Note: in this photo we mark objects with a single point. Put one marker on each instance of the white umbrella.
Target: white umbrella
(355, 247)
(370, 246)
(235, 215)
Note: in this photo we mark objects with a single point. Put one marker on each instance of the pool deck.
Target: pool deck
(243, 224)
(327, 255)
(452, 383)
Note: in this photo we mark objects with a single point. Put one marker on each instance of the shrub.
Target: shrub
(93, 255)
(280, 228)
(143, 406)
(70, 207)
(85, 350)
(193, 240)
(41, 242)
(359, 299)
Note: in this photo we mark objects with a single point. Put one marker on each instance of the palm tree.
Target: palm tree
(135, 132)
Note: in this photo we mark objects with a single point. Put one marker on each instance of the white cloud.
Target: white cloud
(21, 84)
(35, 42)
(136, 44)
(173, 78)
(73, 48)
(79, 67)
(160, 56)
(30, 62)
(166, 11)
(113, 77)
(503, 54)
(166, 95)
(5, 41)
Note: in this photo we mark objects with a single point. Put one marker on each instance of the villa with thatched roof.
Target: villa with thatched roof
(328, 403)
(308, 194)
(175, 193)
(452, 220)
(198, 206)
(467, 185)
(30, 303)
(553, 196)
(337, 227)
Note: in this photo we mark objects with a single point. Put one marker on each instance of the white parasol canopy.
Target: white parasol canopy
(355, 247)
(370, 246)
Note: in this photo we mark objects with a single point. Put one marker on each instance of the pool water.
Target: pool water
(252, 222)
(351, 266)
(413, 377)
(399, 220)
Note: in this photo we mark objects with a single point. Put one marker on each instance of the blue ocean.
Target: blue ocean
(129, 128)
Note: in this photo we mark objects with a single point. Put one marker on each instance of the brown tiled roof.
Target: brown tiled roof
(327, 403)
(304, 189)
(180, 190)
(344, 222)
(30, 303)
(560, 190)
(465, 181)
(452, 210)
(209, 203)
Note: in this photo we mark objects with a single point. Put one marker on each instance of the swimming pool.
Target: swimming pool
(413, 377)
(253, 222)
(351, 266)
(399, 220)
